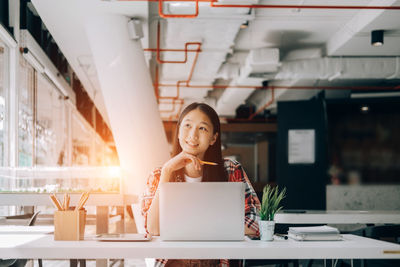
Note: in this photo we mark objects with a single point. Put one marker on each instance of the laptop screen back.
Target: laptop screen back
(202, 211)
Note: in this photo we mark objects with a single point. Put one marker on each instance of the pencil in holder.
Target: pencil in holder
(69, 224)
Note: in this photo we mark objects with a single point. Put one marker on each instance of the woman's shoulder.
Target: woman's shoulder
(156, 172)
(154, 176)
(231, 164)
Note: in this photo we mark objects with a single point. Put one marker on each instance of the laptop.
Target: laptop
(207, 211)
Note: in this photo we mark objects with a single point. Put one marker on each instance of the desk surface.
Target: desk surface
(43, 199)
(39, 245)
(339, 217)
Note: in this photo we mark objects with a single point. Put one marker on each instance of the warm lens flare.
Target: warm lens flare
(114, 172)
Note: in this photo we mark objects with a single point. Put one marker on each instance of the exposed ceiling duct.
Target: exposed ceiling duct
(309, 71)
(230, 39)
(216, 30)
(329, 68)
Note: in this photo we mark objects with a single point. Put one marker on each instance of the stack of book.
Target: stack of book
(316, 233)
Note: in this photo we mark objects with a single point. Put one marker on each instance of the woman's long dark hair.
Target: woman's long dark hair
(210, 173)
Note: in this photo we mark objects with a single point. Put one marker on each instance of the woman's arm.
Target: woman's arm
(252, 204)
(162, 176)
(249, 231)
(153, 221)
(252, 207)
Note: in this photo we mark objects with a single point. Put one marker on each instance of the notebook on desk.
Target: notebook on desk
(314, 233)
(207, 211)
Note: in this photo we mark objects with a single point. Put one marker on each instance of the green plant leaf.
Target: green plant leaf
(270, 202)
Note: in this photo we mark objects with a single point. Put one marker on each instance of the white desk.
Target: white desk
(19, 229)
(43, 199)
(339, 217)
(43, 246)
(102, 201)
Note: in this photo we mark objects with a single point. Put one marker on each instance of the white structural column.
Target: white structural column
(129, 98)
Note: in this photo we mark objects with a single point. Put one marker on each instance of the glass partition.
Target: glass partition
(3, 88)
(56, 149)
(4, 180)
(82, 137)
(51, 125)
(25, 113)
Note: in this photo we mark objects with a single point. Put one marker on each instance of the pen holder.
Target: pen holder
(69, 225)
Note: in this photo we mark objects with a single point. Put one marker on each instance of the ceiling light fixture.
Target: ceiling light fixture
(377, 38)
(364, 109)
(244, 25)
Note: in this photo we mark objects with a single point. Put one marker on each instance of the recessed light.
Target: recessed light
(245, 25)
(364, 109)
(377, 38)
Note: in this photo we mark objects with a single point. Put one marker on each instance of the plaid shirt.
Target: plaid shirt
(235, 174)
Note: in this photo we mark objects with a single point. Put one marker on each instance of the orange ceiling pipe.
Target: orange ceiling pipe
(169, 50)
(178, 83)
(156, 90)
(179, 111)
(212, 3)
(157, 86)
(173, 102)
(362, 88)
(166, 16)
(158, 50)
(176, 99)
(160, 61)
(186, 50)
(304, 6)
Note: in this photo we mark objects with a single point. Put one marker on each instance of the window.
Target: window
(25, 113)
(51, 125)
(3, 88)
(82, 141)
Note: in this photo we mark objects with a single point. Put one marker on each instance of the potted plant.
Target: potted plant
(269, 206)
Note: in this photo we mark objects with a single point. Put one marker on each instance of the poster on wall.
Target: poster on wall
(301, 146)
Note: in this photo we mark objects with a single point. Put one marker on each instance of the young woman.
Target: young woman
(197, 138)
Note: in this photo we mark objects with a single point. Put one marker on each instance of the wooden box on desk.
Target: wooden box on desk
(69, 224)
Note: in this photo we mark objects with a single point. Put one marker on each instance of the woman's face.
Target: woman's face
(196, 133)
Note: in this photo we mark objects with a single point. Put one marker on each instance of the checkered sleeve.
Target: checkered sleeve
(252, 203)
(160, 262)
(147, 198)
(149, 193)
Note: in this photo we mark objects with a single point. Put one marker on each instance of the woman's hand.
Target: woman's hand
(180, 161)
(249, 231)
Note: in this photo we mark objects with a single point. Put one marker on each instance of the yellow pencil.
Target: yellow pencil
(56, 202)
(80, 200)
(82, 203)
(208, 162)
(64, 204)
(67, 204)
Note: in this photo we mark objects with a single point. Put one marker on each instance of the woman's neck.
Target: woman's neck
(192, 172)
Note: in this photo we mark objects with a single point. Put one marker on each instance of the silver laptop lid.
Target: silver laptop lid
(202, 211)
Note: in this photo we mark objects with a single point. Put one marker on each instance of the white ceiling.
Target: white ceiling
(298, 34)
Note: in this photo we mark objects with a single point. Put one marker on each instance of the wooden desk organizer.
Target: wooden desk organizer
(69, 225)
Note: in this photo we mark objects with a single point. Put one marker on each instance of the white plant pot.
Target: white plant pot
(266, 230)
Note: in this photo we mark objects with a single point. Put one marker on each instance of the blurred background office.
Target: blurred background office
(306, 100)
